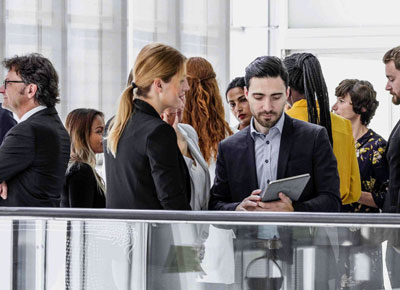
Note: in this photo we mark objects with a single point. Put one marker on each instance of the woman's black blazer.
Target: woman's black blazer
(149, 171)
(81, 189)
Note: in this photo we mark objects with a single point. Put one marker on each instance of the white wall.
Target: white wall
(350, 38)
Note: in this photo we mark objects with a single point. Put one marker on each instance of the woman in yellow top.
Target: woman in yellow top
(310, 102)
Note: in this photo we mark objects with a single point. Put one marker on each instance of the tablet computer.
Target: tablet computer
(291, 186)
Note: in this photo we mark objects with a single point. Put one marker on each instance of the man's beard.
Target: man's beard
(268, 124)
(395, 99)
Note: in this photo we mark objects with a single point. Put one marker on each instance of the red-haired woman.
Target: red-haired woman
(204, 110)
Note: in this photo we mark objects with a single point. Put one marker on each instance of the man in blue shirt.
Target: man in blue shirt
(274, 146)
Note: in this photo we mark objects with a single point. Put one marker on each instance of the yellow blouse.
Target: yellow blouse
(344, 150)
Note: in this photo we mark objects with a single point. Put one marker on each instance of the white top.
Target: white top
(29, 113)
(197, 202)
(199, 175)
(211, 168)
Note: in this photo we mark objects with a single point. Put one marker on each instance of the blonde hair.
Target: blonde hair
(79, 124)
(154, 61)
(204, 110)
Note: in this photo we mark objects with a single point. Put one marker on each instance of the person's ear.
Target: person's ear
(246, 92)
(288, 93)
(158, 85)
(363, 110)
(32, 89)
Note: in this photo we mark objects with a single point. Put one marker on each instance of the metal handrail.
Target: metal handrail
(202, 216)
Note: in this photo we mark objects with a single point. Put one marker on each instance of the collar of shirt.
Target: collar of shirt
(30, 113)
(277, 127)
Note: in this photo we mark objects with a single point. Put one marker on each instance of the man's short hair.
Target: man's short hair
(38, 70)
(393, 54)
(266, 66)
(235, 83)
(363, 97)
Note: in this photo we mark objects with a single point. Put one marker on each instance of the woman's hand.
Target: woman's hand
(367, 199)
(182, 143)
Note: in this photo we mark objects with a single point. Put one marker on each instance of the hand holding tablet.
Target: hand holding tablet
(292, 187)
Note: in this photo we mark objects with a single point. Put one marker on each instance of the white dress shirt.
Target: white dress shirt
(30, 113)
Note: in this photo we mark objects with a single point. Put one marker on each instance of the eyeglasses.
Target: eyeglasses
(5, 82)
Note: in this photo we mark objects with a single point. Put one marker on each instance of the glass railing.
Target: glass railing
(121, 249)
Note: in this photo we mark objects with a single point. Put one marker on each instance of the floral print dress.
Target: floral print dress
(374, 170)
(374, 173)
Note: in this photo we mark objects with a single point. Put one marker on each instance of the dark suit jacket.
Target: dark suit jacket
(33, 159)
(149, 171)
(304, 148)
(392, 202)
(6, 122)
(81, 189)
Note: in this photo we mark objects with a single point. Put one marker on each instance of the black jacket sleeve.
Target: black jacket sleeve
(168, 168)
(17, 151)
(392, 203)
(81, 187)
(326, 178)
(220, 195)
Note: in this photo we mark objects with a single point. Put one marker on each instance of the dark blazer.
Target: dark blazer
(304, 148)
(33, 159)
(392, 201)
(149, 171)
(81, 189)
(6, 122)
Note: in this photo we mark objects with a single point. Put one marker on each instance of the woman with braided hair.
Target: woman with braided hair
(204, 110)
(309, 101)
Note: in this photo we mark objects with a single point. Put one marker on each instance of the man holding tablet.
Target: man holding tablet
(274, 146)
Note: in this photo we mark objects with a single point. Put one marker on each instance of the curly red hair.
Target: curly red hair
(204, 110)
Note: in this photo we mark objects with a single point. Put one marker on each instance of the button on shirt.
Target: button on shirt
(266, 149)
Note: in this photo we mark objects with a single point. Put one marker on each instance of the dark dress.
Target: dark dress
(374, 170)
(374, 173)
(81, 189)
(149, 171)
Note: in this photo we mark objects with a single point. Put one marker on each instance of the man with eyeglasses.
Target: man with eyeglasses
(35, 153)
